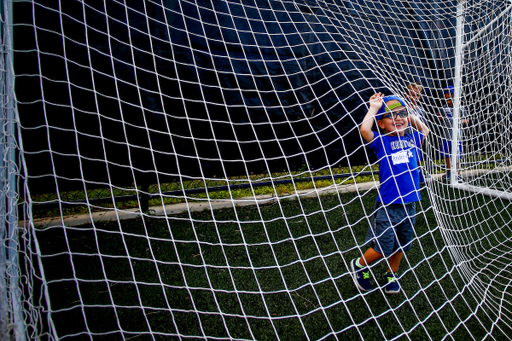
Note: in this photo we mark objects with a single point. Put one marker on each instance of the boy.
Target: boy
(391, 232)
(447, 117)
(414, 92)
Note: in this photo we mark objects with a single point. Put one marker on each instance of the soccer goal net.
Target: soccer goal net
(194, 169)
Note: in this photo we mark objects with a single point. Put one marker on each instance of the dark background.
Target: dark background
(177, 90)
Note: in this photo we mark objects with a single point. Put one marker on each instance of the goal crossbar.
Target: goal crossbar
(485, 191)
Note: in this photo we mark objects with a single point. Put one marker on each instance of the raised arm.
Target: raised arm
(367, 124)
(418, 124)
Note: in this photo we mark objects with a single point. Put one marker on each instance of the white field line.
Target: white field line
(162, 211)
(166, 210)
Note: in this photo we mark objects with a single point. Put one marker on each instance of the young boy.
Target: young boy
(391, 232)
(413, 94)
(447, 118)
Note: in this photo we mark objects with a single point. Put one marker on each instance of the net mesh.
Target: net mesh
(195, 169)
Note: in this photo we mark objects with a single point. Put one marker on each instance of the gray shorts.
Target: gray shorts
(392, 228)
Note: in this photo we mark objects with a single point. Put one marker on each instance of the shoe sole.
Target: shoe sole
(392, 292)
(354, 277)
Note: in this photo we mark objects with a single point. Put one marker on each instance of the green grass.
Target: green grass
(278, 271)
(353, 175)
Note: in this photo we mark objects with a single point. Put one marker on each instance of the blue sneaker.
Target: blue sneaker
(458, 178)
(361, 276)
(392, 286)
(447, 176)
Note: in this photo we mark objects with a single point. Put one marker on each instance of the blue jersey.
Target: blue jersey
(398, 167)
(447, 113)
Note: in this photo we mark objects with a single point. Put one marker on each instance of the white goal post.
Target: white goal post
(12, 321)
(460, 46)
(195, 169)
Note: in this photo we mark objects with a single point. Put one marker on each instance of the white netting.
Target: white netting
(228, 131)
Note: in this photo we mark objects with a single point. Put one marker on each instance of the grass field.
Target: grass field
(278, 271)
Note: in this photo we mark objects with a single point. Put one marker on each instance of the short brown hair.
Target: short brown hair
(416, 86)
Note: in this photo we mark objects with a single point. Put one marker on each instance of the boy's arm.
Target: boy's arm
(418, 124)
(367, 124)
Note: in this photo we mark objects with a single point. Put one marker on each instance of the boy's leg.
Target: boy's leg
(447, 176)
(404, 234)
(381, 236)
(392, 286)
(446, 150)
(394, 261)
(369, 257)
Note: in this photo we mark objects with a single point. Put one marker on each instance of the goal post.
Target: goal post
(12, 321)
(459, 54)
(461, 44)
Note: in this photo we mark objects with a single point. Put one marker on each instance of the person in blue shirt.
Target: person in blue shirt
(391, 231)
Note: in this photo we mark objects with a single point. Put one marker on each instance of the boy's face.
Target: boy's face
(414, 95)
(449, 98)
(396, 126)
